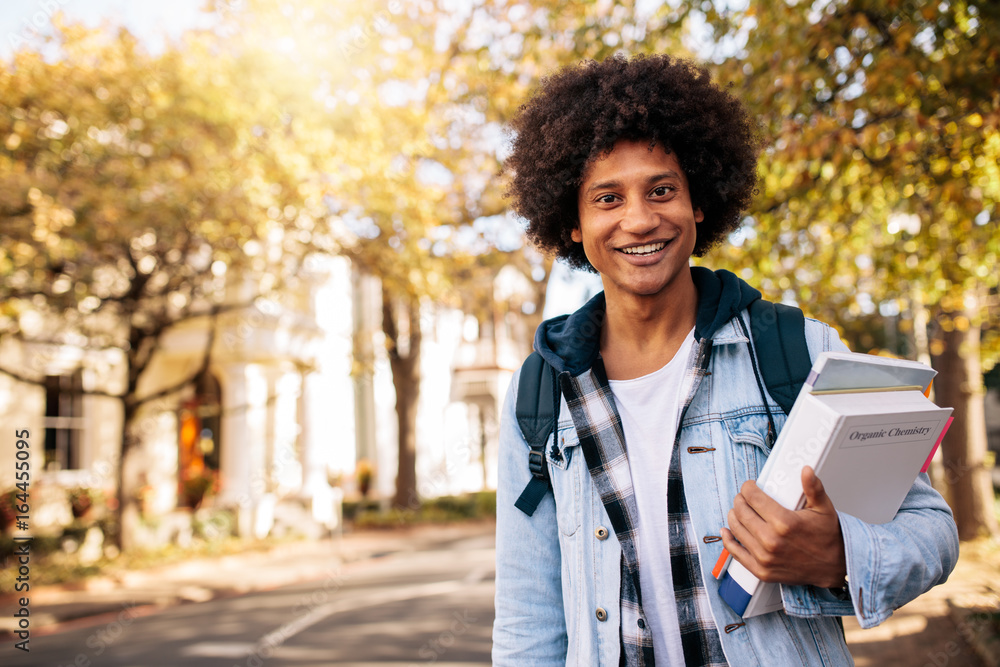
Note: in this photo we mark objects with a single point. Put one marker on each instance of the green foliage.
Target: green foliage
(82, 499)
(881, 182)
(214, 525)
(195, 487)
(991, 379)
(445, 509)
(130, 182)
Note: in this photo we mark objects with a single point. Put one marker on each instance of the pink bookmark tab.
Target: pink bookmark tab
(927, 463)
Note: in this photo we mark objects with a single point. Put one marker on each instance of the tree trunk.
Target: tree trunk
(403, 337)
(127, 512)
(142, 346)
(959, 385)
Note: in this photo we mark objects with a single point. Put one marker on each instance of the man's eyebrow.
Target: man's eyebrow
(617, 184)
(611, 185)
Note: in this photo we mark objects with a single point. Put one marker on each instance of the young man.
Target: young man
(628, 168)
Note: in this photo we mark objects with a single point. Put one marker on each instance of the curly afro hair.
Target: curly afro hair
(578, 115)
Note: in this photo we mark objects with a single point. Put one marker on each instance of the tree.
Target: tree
(410, 159)
(134, 189)
(879, 188)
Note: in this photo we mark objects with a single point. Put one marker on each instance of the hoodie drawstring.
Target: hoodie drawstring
(555, 454)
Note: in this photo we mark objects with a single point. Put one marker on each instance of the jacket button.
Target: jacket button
(642, 624)
(601, 614)
(601, 533)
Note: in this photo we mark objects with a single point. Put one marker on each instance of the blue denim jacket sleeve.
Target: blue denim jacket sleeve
(888, 564)
(530, 626)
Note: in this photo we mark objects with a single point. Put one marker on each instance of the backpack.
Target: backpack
(779, 339)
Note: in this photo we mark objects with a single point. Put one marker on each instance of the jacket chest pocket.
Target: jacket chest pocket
(566, 470)
(751, 445)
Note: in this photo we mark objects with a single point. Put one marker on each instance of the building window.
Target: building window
(63, 421)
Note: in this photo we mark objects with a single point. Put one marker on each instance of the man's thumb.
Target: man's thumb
(813, 488)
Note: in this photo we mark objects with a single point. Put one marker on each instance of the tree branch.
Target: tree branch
(181, 384)
(40, 382)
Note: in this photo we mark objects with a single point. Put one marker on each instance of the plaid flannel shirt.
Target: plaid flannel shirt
(602, 441)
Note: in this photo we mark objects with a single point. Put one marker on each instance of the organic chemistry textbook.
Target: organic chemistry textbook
(867, 428)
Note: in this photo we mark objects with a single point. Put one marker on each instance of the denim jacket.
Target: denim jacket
(558, 571)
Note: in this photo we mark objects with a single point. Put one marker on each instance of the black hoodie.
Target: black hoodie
(571, 342)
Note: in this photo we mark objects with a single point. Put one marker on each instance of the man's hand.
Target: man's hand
(782, 546)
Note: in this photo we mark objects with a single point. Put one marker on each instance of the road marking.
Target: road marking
(279, 636)
(218, 649)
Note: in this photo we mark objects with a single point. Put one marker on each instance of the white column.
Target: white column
(315, 457)
(259, 520)
(244, 429)
(234, 461)
(313, 465)
(286, 468)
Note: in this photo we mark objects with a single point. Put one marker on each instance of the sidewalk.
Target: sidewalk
(205, 578)
(940, 628)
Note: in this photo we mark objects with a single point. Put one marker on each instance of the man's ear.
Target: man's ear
(576, 235)
(698, 215)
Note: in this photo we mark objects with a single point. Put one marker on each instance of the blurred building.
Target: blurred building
(283, 411)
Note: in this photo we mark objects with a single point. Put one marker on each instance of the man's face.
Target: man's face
(637, 223)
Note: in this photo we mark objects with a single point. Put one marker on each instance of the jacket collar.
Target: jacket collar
(571, 343)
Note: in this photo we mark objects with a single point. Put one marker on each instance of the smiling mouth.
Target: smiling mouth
(640, 250)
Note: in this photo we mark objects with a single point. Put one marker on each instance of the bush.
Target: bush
(82, 499)
(352, 509)
(441, 510)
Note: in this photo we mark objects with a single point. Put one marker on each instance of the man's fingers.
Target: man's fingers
(735, 548)
(814, 490)
(763, 504)
(749, 528)
(744, 521)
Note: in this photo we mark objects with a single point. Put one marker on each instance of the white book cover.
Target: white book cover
(865, 426)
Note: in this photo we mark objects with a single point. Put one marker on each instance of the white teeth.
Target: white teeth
(647, 249)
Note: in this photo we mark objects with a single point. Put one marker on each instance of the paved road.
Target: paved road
(433, 606)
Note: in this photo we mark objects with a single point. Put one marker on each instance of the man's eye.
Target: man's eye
(606, 199)
(661, 190)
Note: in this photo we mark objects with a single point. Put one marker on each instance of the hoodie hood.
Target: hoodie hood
(571, 343)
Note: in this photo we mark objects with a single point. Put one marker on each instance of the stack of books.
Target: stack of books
(865, 425)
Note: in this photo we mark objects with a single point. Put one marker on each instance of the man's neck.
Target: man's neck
(641, 335)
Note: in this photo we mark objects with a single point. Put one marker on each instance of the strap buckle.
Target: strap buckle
(537, 464)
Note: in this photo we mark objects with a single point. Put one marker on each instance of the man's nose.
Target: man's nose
(638, 217)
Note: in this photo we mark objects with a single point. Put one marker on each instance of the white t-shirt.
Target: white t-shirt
(649, 407)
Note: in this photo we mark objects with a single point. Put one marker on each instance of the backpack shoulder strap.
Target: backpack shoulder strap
(779, 337)
(535, 409)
